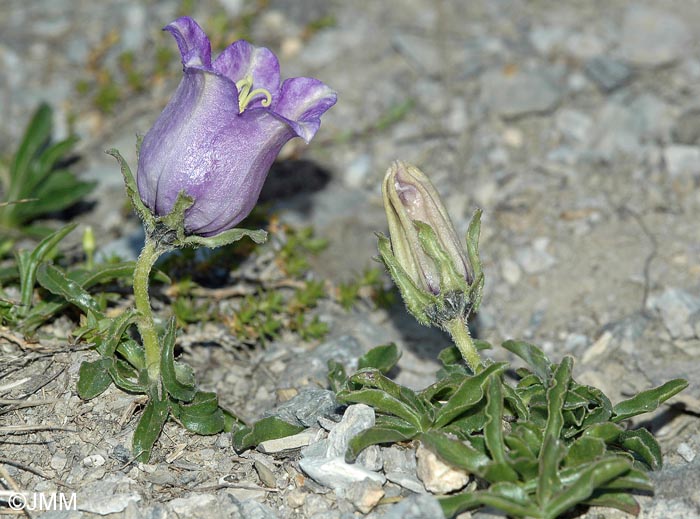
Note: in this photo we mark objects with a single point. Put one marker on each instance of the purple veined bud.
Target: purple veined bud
(222, 130)
(410, 197)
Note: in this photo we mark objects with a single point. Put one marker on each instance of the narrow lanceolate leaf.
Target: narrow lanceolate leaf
(595, 475)
(649, 400)
(56, 282)
(556, 396)
(454, 452)
(382, 358)
(178, 389)
(548, 481)
(534, 357)
(383, 402)
(28, 263)
(467, 395)
(37, 134)
(493, 430)
(367, 378)
(505, 496)
(150, 425)
(375, 436)
(116, 329)
(126, 377)
(93, 378)
(620, 500)
(643, 446)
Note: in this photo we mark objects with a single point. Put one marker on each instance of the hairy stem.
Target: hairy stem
(145, 323)
(459, 330)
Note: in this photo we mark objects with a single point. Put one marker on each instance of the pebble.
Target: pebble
(574, 125)
(96, 460)
(357, 171)
(682, 160)
(510, 271)
(535, 259)
(677, 309)
(437, 476)
(653, 37)
(357, 418)
(306, 407)
(686, 129)
(686, 452)
(288, 443)
(335, 473)
(608, 73)
(417, 506)
(515, 93)
(364, 495)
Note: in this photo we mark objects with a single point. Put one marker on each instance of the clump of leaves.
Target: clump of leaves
(61, 288)
(36, 181)
(369, 284)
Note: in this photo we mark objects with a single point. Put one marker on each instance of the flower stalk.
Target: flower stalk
(459, 331)
(146, 323)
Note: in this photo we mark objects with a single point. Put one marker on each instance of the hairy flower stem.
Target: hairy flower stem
(459, 330)
(146, 325)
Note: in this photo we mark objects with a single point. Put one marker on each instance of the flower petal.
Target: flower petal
(301, 104)
(241, 59)
(192, 41)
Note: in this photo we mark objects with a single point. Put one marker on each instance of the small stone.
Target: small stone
(365, 495)
(686, 452)
(677, 309)
(357, 171)
(306, 407)
(265, 473)
(335, 473)
(357, 418)
(608, 73)
(58, 461)
(687, 127)
(652, 37)
(510, 271)
(420, 506)
(371, 458)
(535, 259)
(295, 441)
(513, 137)
(682, 160)
(574, 125)
(296, 498)
(96, 460)
(513, 93)
(437, 476)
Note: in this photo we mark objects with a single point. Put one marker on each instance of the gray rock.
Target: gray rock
(400, 467)
(335, 473)
(677, 308)
(287, 443)
(437, 476)
(687, 127)
(652, 37)
(419, 52)
(364, 495)
(547, 40)
(418, 506)
(535, 259)
(608, 73)
(357, 418)
(682, 160)
(306, 407)
(109, 495)
(520, 93)
(575, 125)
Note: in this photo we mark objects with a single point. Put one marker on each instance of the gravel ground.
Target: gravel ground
(575, 126)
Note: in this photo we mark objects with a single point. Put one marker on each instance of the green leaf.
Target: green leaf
(270, 428)
(59, 190)
(643, 446)
(36, 136)
(469, 393)
(620, 500)
(225, 238)
(593, 476)
(649, 400)
(113, 336)
(150, 425)
(336, 375)
(56, 282)
(383, 402)
(505, 496)
(493, 430)
(127, 378)
(29, 262)
(584, 450)
(202, 416)
(93, 378)
(376, 435)
(456, 453)
(372, 378)
(607, 431)
(184, 391)
(556, 396)
(534, 357)
(382, 358)
(133, 353)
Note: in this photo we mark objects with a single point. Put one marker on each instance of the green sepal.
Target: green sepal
(417, 301)
(477, 286)
(132, 192)
(225, 238)
(450, 279)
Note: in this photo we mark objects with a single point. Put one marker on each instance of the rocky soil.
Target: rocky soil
(575, 126)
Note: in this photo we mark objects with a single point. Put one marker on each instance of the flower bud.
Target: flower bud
(223, 128)
(438, 279)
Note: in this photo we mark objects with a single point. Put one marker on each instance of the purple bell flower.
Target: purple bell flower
(222, 130)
